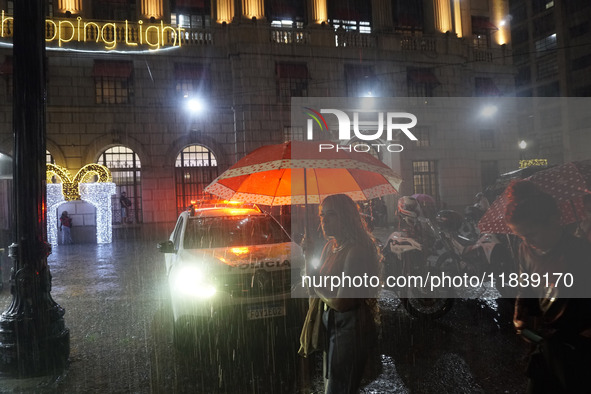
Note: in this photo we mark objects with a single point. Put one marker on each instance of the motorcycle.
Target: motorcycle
(474, 256)
(406, 257)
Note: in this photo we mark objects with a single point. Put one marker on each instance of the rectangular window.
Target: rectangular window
(350, 15)
(191, 79)
(546, 45)
(487, 139)
(292, 81)
(424, 174)
(489, 172)
(113, 82)
(547, 67)
(189, 21)
(191, 14)
(481, 31)
(541, 5)
(407, 15)
(421, 82)
(286, 13)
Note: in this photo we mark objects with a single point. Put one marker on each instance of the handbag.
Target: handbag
(310, 338)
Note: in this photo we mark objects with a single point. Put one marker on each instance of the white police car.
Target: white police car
(227, 266)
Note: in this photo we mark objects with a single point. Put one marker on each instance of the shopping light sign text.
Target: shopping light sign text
(65, 31)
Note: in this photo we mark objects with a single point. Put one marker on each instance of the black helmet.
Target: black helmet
(449, 220)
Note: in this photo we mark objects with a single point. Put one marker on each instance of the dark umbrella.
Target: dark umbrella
(567, 183)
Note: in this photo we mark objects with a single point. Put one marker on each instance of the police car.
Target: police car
(228, 265)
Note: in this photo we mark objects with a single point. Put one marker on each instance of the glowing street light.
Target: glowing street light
(522, 144)
(194, 105)
(488, 110)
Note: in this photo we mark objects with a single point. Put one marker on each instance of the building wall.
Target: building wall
(243, 112)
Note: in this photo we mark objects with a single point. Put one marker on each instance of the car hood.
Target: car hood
(271, 257)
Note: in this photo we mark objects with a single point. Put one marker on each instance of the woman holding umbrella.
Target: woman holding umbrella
(350, 314)
(555, 317)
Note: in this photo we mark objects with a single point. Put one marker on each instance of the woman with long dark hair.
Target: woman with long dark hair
(350, 312)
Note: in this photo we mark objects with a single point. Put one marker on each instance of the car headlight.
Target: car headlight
(190, 280)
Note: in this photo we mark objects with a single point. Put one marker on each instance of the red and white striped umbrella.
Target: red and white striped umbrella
(274, 175)
(567, 183)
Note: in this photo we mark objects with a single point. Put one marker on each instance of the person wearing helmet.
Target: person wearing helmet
(408, 211)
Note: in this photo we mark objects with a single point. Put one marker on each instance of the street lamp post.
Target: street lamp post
(33, 338)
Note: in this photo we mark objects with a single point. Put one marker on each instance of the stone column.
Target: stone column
(253, 9)
(224, 11)
(151, 9)
(74, 6)
(457, 18)
(317, 12)
(442, 15)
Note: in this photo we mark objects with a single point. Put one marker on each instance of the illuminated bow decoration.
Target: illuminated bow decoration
(70, 187)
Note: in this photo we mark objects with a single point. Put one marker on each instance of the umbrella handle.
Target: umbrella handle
(306, 230)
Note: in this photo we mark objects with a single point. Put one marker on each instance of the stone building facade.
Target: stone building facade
(123, 78)
(552, 55)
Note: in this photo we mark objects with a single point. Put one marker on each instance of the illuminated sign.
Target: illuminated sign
(532, 163)
(109, 34)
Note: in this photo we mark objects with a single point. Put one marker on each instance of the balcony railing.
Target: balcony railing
(422, 44)
(354, 39)
(289, 36)
(482, 55)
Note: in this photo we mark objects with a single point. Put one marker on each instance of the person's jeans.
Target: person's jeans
(66, 235)
(346, 352)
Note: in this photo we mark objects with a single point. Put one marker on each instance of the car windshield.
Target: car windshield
(226, 231)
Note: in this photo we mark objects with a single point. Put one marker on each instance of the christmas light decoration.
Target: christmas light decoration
(110, 34)
(98, 194)
(55, 198)
(70, 186)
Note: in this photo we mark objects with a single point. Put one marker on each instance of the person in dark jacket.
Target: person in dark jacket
(554, 314)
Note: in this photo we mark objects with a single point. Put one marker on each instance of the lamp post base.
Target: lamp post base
(34, 340)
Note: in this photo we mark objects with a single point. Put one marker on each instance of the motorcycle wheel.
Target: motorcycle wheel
(427, 308)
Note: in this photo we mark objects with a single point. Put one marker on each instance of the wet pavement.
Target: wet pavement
(117, 309)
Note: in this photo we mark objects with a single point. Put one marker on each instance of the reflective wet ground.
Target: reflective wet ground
(117, 309)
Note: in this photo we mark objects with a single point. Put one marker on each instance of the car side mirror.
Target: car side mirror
(166, 247)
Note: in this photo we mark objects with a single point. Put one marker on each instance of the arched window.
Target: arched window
(125, 168)
(195, 168)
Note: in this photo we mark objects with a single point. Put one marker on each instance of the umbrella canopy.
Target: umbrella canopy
(567, 183)
(275, 174)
